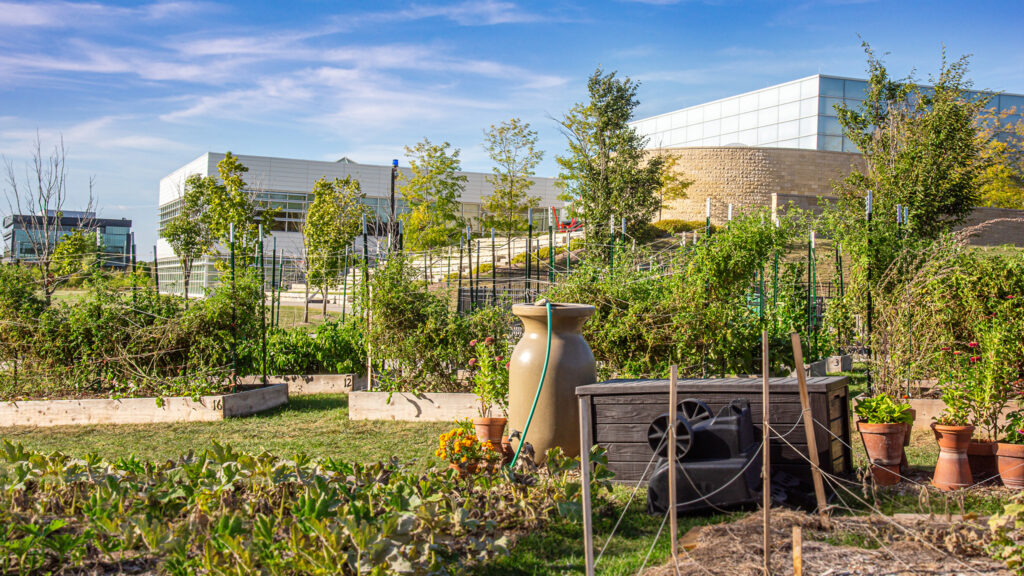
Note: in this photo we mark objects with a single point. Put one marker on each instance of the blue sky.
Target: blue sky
(138, 89)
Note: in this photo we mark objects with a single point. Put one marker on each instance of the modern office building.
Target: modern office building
(783, 139)
(20, 230)
(287, 184)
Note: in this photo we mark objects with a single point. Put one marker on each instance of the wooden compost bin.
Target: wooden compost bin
(622, 410)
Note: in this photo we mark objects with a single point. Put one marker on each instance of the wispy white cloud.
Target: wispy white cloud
(86, 14)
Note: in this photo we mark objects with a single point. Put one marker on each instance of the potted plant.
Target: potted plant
(465, 452)
(882, 423)
(953, 433)
(1010, 452)
(490, 384)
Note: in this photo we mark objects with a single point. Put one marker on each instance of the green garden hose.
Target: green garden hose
(536, 397)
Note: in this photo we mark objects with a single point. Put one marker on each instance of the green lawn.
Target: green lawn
(317, 425)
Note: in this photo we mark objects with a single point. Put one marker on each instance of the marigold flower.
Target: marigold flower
(472, 342)
(472, 361)
(957, 352)
(489, 340)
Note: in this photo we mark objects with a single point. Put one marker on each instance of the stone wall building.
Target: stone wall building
(784, 140)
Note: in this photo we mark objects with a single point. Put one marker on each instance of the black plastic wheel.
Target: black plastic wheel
(658, 431)
(696, 411)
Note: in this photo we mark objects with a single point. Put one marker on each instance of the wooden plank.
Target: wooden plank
(585, 444)
(250, 402)
(808, 420)
(428, 407)
(730, 385)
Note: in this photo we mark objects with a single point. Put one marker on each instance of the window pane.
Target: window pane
(831, 87)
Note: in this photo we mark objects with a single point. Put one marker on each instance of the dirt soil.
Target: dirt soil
(906, 545)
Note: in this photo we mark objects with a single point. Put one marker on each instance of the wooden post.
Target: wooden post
(808, 417)
(672, 513)
(585, 442)
(766, 470)
(798, 551)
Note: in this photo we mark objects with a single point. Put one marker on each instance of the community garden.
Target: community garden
(881, 275)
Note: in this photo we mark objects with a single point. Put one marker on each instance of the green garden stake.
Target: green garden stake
(707, 216)
(273, 278)
(458, 297)
(868, 209)
(551, 250)
(363, 280)
(263, 305)
(280, 281)
(611, 248)
(344, 287)
(234, 301)
(469, 260)
(494, 273)
(529, 247)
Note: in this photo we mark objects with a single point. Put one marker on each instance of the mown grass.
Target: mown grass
(316, 425)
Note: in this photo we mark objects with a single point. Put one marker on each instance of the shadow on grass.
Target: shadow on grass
(307, 404)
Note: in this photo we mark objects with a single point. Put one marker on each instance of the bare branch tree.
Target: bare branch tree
(37, 203)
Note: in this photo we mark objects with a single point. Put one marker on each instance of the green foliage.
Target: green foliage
(189, 233)
(76, 253)
(882, 409)
(433, 194)
(332, 222)
(1013, 432)
(222, 511)
(607, 171)
(1003, 179)
(489, 366)
(335, 347)
(674, 226)
(512, 146)
(232, 204)
(1008, 535)
(691, 309)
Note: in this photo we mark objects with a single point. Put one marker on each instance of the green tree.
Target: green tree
(1003, 180)
(512, 146)
(189, 233)
(332, 222)
(922, 148)
(232, 202)
(76, 253)
(433, 194)
(607, 171)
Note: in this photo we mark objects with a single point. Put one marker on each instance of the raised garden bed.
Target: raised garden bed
(929, 409)
(427, 407)
(303, 384)
(247, 401)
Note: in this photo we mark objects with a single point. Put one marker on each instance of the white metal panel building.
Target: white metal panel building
(287, 184)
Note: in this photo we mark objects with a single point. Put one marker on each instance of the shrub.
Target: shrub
(335, 347)
(675, 226)
(882, 409)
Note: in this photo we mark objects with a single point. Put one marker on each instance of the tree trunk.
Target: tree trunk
(46, 283)
(325, 290)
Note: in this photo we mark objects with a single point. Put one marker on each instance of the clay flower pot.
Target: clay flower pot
(884, 445)
(981, 454)
(952, 471)
(1010, 459)
(910, 426)
(489, 429)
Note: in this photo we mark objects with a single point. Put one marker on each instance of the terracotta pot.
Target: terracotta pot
(490, 429)
(1010, 459)
(571, 364)
(952, 470)
(981, 454)
(884, 445)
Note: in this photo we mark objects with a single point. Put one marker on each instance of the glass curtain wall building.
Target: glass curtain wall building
(21, 231)
(287, 184)
(798, 114)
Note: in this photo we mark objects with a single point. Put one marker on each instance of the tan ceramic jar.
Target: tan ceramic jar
(556, 419)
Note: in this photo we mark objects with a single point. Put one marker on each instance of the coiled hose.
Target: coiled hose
(536, 397)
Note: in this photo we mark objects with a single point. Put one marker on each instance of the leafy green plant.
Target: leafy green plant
(1007, 529)
(1013, 431)
(882, 409)
(676, 226)
(489, 367)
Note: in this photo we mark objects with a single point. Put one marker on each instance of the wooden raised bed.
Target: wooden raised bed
(427, 407)
(46, 413)
(303, 384)
(622, 410)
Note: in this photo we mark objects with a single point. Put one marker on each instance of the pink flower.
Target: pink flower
(472, 342)
(957, 352)
(472, 361)
(488, 340)
(508, 364)
(975, 359)
(1019, 431)
(1010, 297)
(946, 348)
(497, 358)
(972, 344)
